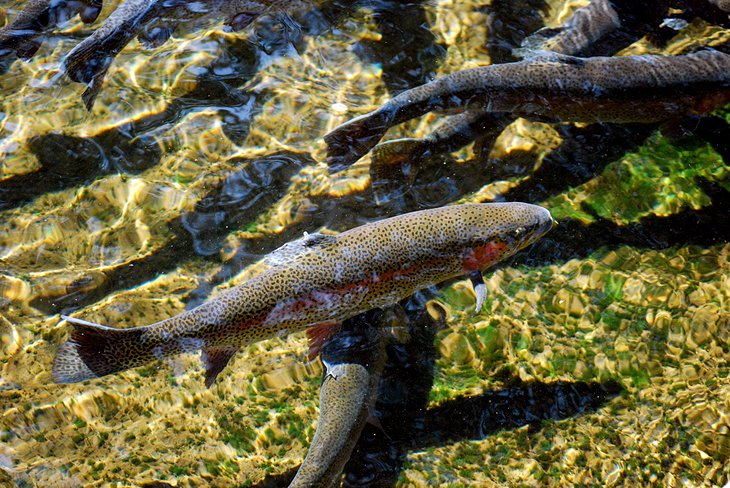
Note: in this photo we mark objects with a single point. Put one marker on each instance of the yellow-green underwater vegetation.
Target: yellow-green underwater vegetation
(600, 356)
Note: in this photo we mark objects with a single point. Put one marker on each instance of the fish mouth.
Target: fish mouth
(543, 223)
(546, 224)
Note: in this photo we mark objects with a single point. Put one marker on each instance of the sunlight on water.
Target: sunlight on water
(204, 154)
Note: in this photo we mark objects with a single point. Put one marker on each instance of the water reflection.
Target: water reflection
(630, 287)
(404, 423)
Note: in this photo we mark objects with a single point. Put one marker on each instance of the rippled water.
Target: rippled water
(601, 356)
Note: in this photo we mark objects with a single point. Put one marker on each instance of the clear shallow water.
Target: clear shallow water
(205, 154)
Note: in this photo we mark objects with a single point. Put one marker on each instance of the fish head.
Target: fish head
(501, 231)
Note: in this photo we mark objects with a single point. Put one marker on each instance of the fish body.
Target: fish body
(154, 21)
(620, 89)
(585, 27)
(320, 279)
(22, 35)
(354, 359)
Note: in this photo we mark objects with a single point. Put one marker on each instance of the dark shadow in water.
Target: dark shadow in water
(571, 239)
(379, 456)
(583, 155)
(473, 418)
(237, 200)
(407, 424)
(407, 50)
(67, 161)
(130, 147)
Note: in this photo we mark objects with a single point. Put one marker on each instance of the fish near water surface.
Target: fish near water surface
(354, 360)
(22, 35)
(153, 22)
(621, 89)
(315, 281)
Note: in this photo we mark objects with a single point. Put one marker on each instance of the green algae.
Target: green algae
(659, 178)
(655, 321)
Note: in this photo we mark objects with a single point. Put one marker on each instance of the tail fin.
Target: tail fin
(88, 64)
(93, 351)
(352, 140)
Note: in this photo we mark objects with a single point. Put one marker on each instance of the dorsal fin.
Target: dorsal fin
(547, 56)
(291, 250)
(215, 360)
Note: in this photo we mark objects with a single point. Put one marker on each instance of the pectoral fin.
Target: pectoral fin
(480, 288)
(319, 334)
(215, 360)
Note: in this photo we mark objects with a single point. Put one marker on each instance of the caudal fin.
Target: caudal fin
(352, 140)
(93, 351)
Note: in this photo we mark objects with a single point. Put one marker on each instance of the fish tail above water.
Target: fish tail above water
(94, 350)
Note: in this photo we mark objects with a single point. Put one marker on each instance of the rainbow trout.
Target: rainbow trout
(585, 27)
(317, 280)
(619, 89)
(153, 22)
(354, 360)
(22, 35)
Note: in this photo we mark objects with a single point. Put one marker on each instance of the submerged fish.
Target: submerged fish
(154, 21)
(455, 132)
(586, 26)
(619, 89)
(354, 360)
(316, 281)
(22, 35)
(723, 5)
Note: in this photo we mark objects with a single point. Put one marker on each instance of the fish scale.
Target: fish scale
(327, 280)
(552, 86)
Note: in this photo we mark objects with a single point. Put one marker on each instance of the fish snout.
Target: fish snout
(537, 224)
(545, 222)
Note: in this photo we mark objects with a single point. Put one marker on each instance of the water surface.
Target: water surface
(203, 155)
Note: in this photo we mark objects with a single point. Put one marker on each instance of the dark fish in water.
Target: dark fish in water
(317, 281)
(619, 89)
(586, 26)
(455, 132)
(23, 36)
(723, 5)
(154, 21)
(354, 360)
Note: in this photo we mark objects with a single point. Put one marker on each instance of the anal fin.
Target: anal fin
(215, 360)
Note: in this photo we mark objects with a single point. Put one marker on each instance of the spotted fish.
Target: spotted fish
(153, 22)
(619, 89)
(585, 27)
(23, 35)
(318, 280)
(354, 359)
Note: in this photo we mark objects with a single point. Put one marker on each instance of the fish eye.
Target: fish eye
(518, 231)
